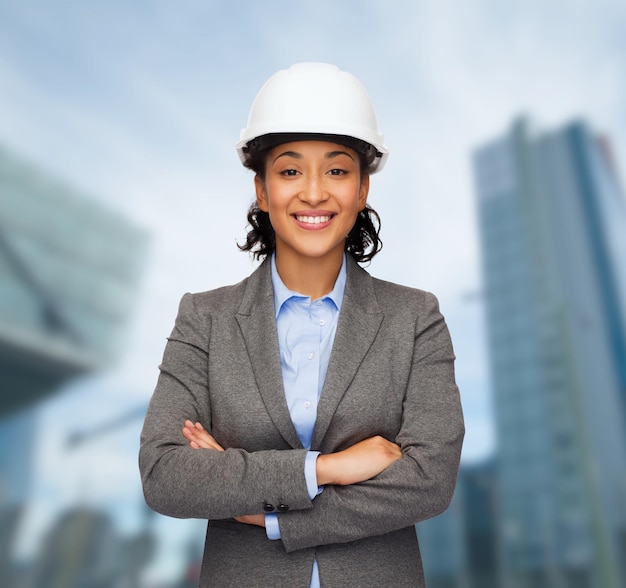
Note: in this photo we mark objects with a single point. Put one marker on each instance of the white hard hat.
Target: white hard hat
(311, 99)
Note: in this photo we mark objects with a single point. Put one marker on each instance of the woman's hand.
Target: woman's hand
(358, 463)
(198, 437)
(257, 519)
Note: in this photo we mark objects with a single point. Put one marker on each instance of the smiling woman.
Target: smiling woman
(310, 412)
(362, 242)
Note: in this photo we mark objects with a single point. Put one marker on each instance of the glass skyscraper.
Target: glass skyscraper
(553, 236)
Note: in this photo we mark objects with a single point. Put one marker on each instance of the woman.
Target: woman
(319, 413)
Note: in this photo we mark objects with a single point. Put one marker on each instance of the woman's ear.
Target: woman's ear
(364, 191)
(261, 193)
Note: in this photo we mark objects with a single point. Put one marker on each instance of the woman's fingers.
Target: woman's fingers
(198, 437)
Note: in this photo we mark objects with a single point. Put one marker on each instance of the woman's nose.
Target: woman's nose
(314, 191)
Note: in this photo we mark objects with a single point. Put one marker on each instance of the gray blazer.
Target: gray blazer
(390, 373)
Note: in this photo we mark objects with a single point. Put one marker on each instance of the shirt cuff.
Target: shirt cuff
(310, 474)
(272, 530)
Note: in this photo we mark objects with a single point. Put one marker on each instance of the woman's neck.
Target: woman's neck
(313, 277)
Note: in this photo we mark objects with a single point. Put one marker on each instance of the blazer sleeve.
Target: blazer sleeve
(183, 482)
(420, 484)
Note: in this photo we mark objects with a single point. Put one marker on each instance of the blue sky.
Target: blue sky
(140, 104)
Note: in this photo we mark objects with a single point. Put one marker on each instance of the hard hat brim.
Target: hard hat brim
(375, 158)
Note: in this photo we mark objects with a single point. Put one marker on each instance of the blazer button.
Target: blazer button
(267, 507)
(282, 507)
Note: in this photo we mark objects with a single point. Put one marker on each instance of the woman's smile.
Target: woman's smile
(313, 220)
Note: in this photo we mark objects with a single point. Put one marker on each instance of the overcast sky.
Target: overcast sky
(139, 104)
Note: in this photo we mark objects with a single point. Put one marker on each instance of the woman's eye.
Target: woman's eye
(289, 172)
(337, 172)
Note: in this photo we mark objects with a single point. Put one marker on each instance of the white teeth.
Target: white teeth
(313, 220)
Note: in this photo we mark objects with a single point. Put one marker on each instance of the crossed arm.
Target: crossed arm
(361, 462)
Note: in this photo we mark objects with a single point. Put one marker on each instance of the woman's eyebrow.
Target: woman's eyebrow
(332, 154)
(288, 154)
(297, 155)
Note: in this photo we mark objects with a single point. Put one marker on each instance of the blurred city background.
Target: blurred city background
(120, 190)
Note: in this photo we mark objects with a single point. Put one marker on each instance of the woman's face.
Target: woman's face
(312, 191)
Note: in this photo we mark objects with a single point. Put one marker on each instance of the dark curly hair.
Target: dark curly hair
(362, 243)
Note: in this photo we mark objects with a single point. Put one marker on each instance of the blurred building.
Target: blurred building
(69, 271)
(81, 550)
(459, 548)
(477, 488)
(69, 275)
(84, 550)
(442, 547)
(553, 229)
(16, 473)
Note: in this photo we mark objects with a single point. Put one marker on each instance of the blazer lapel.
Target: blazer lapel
(359, 322)
(257, 321)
